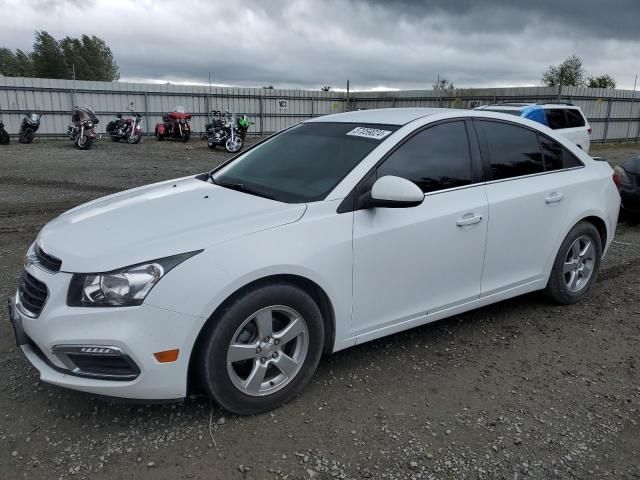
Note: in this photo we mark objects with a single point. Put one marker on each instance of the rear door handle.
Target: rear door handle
(554, 197)
(469, 219)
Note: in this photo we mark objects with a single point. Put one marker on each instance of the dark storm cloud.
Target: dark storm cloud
(612, 19)
(305, 43)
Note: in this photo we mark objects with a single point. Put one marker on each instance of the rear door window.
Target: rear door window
(513, 150)
(574, 118)
(556, 118)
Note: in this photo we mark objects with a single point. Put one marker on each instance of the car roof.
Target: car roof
(383, 116)
(520, 106)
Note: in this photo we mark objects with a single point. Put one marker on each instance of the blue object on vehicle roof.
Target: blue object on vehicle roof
(535, 113)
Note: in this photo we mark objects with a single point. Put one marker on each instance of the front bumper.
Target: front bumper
(59, 342)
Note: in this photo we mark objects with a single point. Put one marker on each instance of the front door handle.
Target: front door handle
(469, 219)
(554, 197)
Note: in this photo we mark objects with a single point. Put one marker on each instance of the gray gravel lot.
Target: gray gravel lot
(522, 389)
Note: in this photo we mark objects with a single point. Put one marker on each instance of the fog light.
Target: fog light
(167, 356)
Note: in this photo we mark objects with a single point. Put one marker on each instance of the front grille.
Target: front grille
(47, 261)
(32, 294)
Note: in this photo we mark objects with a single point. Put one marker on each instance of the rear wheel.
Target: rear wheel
(115, 139)
(262, 349)
(159, 137)
(576, 265)
(4, 138)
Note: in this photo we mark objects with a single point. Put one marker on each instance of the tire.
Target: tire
(4, 138)
(568, 283)
(84, 144)
(281, 303)
(115, 139)
(234, 147)
(185, 137)
(26, 135)
(211, 145)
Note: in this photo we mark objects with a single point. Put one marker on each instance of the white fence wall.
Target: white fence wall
(614, 114)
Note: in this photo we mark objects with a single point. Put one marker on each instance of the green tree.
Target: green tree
(24, 64)
(569, 73)
(48, 58)
(601, 81)
(443, 84)
(90, 57)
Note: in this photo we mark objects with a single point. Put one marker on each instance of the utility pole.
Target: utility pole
(348, 99)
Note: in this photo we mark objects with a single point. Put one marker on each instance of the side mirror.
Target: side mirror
(395, 192)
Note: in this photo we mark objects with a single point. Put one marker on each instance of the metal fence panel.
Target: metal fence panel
(613, 114)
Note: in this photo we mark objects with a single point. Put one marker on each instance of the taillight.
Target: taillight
(620, 177)
(589, 130)
(617, 179)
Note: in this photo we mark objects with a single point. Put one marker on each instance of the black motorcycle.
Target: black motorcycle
(4, 136)
(28, 128)
(129, 129)
(83, 129)
(227, 129)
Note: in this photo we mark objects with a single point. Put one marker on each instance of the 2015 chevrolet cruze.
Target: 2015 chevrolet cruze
(334, 232)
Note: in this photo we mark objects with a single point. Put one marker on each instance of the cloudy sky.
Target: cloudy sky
(374, 43)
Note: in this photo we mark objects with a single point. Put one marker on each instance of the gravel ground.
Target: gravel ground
(522, 389)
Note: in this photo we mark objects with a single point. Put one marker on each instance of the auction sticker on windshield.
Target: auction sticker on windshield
(365, 132)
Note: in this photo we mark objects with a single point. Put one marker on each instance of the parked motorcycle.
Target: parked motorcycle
(83, 131)
(4, 136)
(175, 125)
(129, 129)
(227, 129)
(28, 128)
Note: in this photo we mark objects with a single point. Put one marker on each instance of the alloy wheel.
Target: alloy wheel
(267, 350)
(579, 263)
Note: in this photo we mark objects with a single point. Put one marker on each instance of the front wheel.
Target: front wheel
(26, 135)
(261, 349)
(84, 142)
(234, 145)
(576, 265)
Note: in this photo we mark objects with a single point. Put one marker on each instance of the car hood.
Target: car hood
(157, 221)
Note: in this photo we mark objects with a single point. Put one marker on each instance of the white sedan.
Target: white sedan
(334, 232)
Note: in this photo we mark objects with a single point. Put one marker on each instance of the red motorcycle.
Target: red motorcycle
(175, 125)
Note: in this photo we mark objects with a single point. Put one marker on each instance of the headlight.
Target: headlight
(624, 178)
(121, 288)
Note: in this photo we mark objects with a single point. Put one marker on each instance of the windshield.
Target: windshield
(304, 163)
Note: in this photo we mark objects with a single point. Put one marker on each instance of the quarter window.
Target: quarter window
(551, 154)
(434, 159)
(556, 118)
(514, 151)
(555, 156)
(574, 118)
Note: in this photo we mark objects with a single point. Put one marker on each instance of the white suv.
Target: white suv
(565, 118)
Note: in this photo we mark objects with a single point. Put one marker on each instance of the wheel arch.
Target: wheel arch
(309, 286)
(600, 225)
(593, 217)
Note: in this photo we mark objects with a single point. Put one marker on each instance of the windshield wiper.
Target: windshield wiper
(241, 187)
